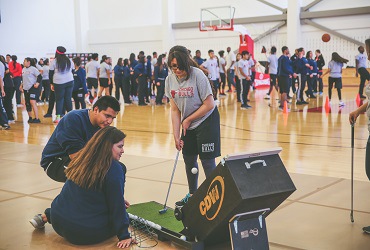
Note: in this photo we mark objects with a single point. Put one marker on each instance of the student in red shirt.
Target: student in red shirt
(16, 71)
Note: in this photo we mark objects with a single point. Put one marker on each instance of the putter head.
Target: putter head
(162, 211)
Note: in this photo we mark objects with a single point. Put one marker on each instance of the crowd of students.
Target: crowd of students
(142, 78)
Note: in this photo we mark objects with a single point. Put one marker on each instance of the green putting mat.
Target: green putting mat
(150, 211)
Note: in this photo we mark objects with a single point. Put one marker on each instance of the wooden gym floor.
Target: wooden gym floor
(316, 152)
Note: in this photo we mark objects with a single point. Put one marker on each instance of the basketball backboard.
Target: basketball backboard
(217, 18)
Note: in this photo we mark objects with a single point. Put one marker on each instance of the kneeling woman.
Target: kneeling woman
(91, 206)
(193, 108)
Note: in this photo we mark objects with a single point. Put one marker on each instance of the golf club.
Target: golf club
(352, 155)
(162, 211)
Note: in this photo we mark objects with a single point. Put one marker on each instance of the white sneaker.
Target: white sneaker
(267, 97)
(11, 121)
(19, 105)
(341, 104)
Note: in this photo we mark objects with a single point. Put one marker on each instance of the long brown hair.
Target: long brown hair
(90, 167)
(337, 58)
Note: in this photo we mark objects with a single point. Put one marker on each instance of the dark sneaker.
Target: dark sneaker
(37, 221)
(36, 121)
(143, 104)
(183, 201)
(366, 229)
(362, 97)
(5, 126)
(48, 115)
(304, 102)
(30, 120)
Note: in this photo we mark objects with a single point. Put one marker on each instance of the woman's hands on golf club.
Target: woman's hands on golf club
(126, 243)
(353, 115)
(179, 144)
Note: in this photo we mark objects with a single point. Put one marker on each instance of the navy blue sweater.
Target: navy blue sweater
(284, 66)
(126, 72)
(79, 77)
(118, 71)
(79, 209)
(313, 63)
(300, 66)
(140, 70)
(160, 75)
(72, 133)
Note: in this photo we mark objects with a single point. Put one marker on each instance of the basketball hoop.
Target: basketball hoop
(217, 18)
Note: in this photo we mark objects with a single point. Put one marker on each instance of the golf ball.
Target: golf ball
(183, 237)
(194, 170)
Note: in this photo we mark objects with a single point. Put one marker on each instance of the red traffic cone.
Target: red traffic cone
(358, 100)
(285, 109)
(327, 105)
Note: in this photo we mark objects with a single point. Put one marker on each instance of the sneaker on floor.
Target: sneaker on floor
(366, 229)
(304, 102)
(321, 93)
(362, 97)
(5, 126)
(19, 105)
(267, 97)
(37, 221)
(48, 115)
(11, 121)
(36, 121)
(30, 120)
(341, 104)
(299, 103)
(282, 109)
(183, 201)
(223, 94)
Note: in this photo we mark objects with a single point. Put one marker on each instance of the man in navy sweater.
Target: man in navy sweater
(285, 73)
(73, 132)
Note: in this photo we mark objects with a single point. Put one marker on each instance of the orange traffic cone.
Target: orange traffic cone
(327, 105)
(285, 109)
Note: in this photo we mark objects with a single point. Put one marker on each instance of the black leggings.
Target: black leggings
(7, 101)
(223, 82)
(367, 159)
(78, 97)
(333, 81)
(119, 87)
(126, 89)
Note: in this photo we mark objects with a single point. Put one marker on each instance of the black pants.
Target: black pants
(364, 75)
(160, 93)
(134, 85)
(78, 97)
(46, 93)
(367, 159)
(3, 116)
(9, 93)
(238, 88)
(51, 102)
(246, 84)
(318, 79)
(17, 83)
(126, 89)
(223, 82)
(292, 84)
(272, 82)
(337, 83)
(142, 88)
(119, 87)
(310, 81)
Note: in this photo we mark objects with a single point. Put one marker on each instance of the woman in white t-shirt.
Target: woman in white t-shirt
(61, 78)
(193, 109)
(335, 78)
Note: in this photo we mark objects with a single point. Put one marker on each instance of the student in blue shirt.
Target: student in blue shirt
(160, 75)
(198, 58)
(72, 133)
(335, 78)
(285, 73)
(311, 74)
(91, 207)
(141, 74)
(126, 82)
(302, 69)
(133, 63)
(118, 77)
(79, 85)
